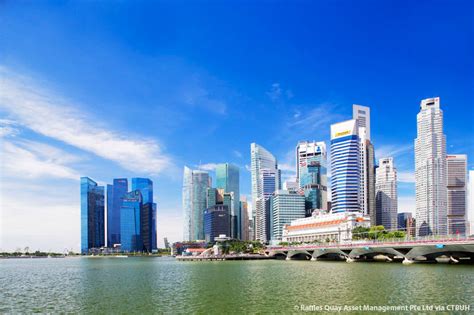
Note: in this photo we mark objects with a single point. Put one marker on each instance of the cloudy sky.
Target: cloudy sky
(127, 89)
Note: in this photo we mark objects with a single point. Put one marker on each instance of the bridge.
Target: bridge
(454, 250)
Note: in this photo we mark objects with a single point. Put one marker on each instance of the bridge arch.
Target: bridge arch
(299, 255)
(434, 251)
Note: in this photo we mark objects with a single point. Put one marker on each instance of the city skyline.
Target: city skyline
(59, 122)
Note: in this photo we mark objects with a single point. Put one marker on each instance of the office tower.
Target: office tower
(386, 194)
(345, 167)
(92, 215)
(227, 178)
(456, 166)
(245, 218)
(167, 243)
(361, 114)
(115, 194)
(195, 185)
(406, 222)
(290, 185)
(269, 184)
(130, 222)
(471, 203)
(216, 222)
(261, 159)
(430, 170)
(286, 206)
(311, 171)
(145, 186)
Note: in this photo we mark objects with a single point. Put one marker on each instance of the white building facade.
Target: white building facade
(322, 227)
(430, 170)
(260, 159)
(386, 194)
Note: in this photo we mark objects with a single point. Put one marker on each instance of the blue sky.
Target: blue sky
(114, 89)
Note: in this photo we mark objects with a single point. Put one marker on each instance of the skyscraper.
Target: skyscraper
(245, 218)
(471, 202)
(457, 193)
(145, 186)
(345, 167)
(92, 215)
(430, 170)
(361, 114)
(216, 222)
(311, 171)
(386, 194)
(130, 222)
(115, 194)
(269, 183)
(260, 159)
(195, 185)
(286, 206)
(227, 178)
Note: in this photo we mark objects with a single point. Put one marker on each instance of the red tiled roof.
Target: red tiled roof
(314, 225)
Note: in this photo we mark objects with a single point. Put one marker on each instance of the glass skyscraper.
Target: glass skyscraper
(286, 207)
(261, 159)
(130, 222)
(92, 215)
(145, 186)
(195, 188)
(345, 167)
(311, 173)
(216, 222)
(115, 194)
(227, 178)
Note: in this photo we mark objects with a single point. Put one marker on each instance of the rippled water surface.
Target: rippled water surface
(163, 285)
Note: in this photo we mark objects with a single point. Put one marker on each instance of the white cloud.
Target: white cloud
(275, 92)
(287, 167)
(35, 160)
(406, 204)
(50, 115)
(237, 153)
(392, 150)
(317, 119)
(208, 166)
(406, 177)
(7, 128)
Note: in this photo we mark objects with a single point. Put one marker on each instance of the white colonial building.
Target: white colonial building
(335, 227)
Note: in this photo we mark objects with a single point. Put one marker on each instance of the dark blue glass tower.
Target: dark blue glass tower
(145, 186)
(130, 222)
(115, 194)
(216, 222)
(92, 215)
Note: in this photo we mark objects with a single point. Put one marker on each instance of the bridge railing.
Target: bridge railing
(369, 242)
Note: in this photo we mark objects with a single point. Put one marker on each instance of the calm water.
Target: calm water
(163, 285)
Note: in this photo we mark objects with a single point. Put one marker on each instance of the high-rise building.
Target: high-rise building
(261, 159)
(345, 167)
(430, 170)
(245, 218)
(471, 203)
(167, 243)
(227, 178)
(286, 206)
(130, 222)
(456, 166)
(290, 185)
(216, 222)
(361, 114)
(92, 215)
(406, 223)
(115, 194)
(311, 171)
(386, 194)
(269, 183)
(195, 185)
(145, 186)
